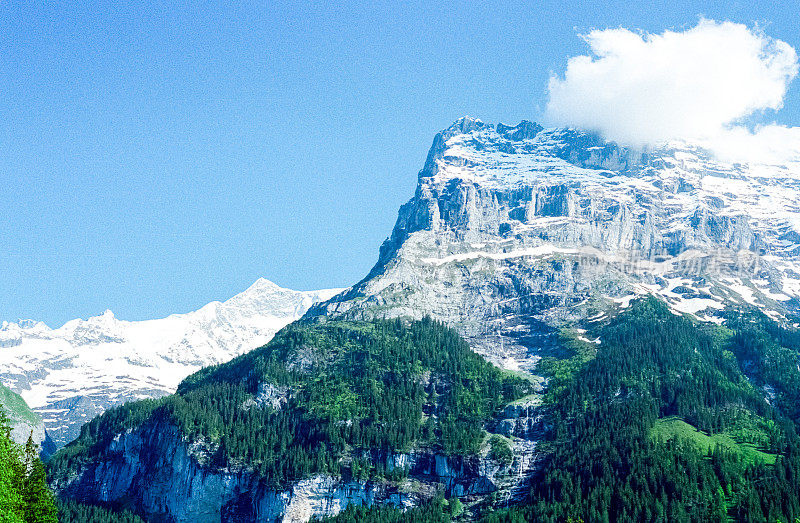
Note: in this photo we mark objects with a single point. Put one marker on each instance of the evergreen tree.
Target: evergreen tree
(39, 504)
(11, 502)
(24, 495)
(374, 388)
(609, 460)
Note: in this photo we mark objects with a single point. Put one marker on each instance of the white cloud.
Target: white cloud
(699, 84)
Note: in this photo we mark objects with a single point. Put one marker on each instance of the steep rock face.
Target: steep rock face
(171, 480)
(514, 231)
(523, 419)
(71, 374)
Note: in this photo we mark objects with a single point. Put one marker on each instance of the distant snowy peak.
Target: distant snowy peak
(76, 371)
(261, 301)
(266, 295)
(27, 325)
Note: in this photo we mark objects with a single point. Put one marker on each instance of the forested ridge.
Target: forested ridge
(667, 419)
(438, 510)
(341, 386)
(612, 453)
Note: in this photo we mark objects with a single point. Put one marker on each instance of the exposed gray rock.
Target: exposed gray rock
(24, 422)
(516, 231)
(168, 478)
(269, 395)
(522, 419)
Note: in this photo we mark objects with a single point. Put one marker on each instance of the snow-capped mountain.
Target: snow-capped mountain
(70, 374)
(515, 231)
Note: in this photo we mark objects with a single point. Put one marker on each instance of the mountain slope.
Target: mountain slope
(71, 374)
(323, 416)
(514, 231)
(24, 422)
(663, 421)
(668, 421)
(386, 414)
(647, 298)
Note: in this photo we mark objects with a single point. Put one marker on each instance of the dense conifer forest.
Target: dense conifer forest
(439, 510)
(668, 421)
(72, 512)
(339, 386)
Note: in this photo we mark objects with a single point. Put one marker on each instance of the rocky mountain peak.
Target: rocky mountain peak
(31, 325)
(524, 130)
(263, 284)
(465, 124)
(514, 231)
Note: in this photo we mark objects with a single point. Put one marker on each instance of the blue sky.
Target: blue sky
(157, 157)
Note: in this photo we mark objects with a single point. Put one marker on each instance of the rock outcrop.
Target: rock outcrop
(168, 477)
